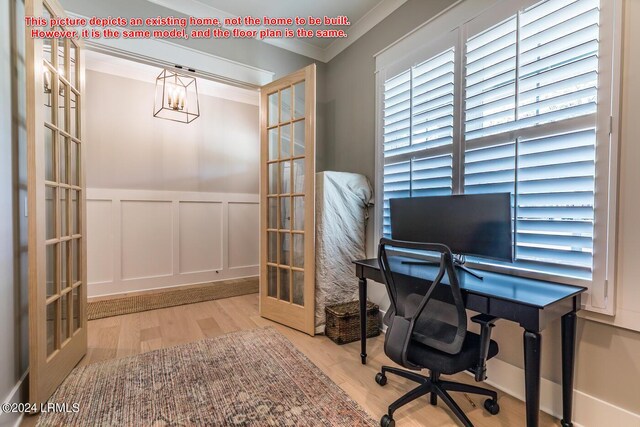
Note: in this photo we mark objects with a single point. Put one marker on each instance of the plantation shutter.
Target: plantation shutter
(540, 67)
(418, 122)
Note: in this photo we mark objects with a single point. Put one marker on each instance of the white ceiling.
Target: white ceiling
(363, 15)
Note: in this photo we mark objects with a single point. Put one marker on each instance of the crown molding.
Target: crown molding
(372, 18)
(168, 54)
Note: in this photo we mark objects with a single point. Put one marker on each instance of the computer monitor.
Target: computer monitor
(469, 224)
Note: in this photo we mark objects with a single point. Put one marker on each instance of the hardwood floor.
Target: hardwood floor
(131, 334)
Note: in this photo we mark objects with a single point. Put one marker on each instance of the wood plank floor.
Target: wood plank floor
(136, 333)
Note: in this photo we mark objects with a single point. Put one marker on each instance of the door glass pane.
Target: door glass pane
(285, 213)
(273, 144)
(299, 138)
(298, 213)
(47, 83)
(272, 212)
(298, 287)
(50, 212)
(272, 281)
(62, 94)
(75, 261)
(298, 176)
(285, 283)
(285, 249)
(75, 206)
(273, 109)
(62, 148)
(72, 114)
(285, 141)
(285, 104)
(63, 212)
(64, 318)
(273, 178)
(64, 278)
(75, 163)
(50, 266)
(51, 326)
(73, 74)
(298, 250)
(298, 91)
(76, 308)
(272, 249)
(285, 177)
(61, 56)
(49, 153)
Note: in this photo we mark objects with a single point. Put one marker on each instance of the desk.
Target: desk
(533, 304)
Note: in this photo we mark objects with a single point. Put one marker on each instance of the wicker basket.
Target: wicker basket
(343, 322)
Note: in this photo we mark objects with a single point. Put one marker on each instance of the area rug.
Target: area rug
(247, 378)
(171, 298)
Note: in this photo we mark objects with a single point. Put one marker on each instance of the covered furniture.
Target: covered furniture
(342, 200)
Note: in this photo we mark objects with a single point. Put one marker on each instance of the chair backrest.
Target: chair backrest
(415, 315)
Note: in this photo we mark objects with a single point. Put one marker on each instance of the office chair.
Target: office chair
(428, 333)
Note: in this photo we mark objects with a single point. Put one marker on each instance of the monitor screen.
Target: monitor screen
(469, 224)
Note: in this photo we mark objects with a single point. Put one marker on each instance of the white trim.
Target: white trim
(358, 29)
(14, 397)
(372, 18)
(588, 410)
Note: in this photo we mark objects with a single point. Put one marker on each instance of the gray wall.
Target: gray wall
(128, 148)
(13, 265)
(608, 366)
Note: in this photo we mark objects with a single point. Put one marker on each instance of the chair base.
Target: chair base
(435, 387)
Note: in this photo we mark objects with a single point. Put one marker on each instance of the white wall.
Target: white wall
(168, 203)
(144, 239)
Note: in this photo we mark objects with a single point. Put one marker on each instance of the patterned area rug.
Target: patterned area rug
(171, 298)
(247, 378)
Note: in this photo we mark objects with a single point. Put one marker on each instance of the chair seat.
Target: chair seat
(449, 364)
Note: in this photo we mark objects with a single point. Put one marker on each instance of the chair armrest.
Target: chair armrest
(486, 323)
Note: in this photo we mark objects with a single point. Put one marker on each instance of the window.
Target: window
(512, 101)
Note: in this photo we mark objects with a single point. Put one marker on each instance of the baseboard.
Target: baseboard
(588, 411)
(115, 295)
(15, 396)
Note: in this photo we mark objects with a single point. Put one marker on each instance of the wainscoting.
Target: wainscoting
(140, 239)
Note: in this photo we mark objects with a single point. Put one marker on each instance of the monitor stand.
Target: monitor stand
(458, 261)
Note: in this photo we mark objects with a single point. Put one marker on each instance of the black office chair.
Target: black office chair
(428, 333)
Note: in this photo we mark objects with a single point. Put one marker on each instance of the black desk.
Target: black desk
(533, 304)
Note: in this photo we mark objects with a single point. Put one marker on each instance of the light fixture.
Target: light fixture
(176, 97)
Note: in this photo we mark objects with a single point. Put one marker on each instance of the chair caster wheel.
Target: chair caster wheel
(381, 379)
(492, 406)
(387, 421)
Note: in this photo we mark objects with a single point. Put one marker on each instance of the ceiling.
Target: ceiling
(363, 15)
(353, 9)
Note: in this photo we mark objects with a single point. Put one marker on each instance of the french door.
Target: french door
(56, 207)
(287, 200)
